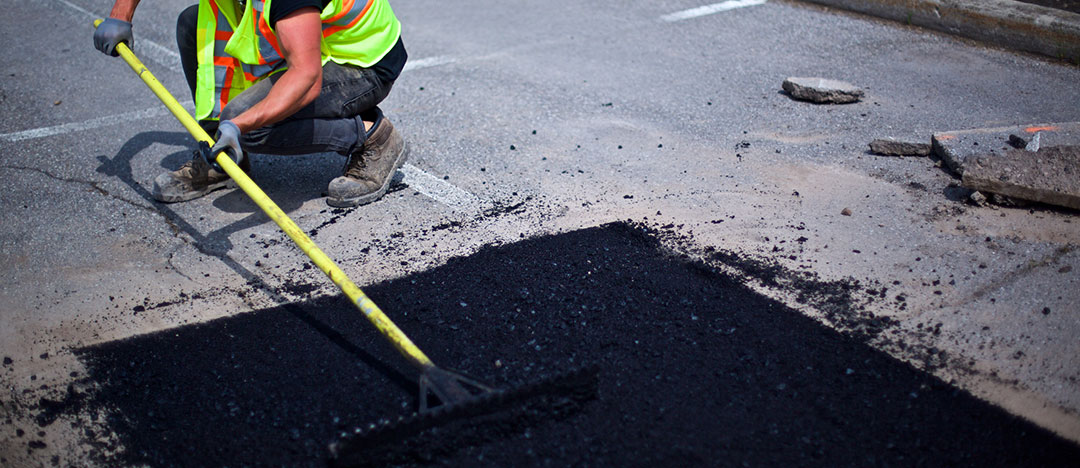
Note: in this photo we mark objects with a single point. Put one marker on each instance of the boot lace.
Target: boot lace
(355, 166)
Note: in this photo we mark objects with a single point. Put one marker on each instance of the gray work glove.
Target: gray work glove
(110, 33)
(228, 140)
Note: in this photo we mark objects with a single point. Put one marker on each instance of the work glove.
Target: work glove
(228, 140)
(110, 33)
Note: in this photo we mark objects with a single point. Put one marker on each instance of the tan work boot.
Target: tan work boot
(193, 180)
(369, 170)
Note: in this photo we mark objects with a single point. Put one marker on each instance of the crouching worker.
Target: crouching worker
(285, 77)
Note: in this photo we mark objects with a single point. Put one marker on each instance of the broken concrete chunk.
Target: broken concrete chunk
(977, 198)
(1033, 145)
(890, 147)
(822, 90)
(954, 147)
(1051, 175)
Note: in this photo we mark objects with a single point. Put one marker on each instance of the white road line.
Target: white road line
(709, 9)
(441, 190)
(428, 62)
(80, 9)
(159, 54)
(91, 124)
(144, 48)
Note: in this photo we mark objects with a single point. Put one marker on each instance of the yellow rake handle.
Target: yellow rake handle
(388, 329)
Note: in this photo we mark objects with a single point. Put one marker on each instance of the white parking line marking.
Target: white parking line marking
(709, 9)
(441, 190)
(160, 54)
(428, 62)
(91, 124)
(80, 9)
(145, 48)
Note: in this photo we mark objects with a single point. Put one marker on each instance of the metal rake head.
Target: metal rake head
(449, 388)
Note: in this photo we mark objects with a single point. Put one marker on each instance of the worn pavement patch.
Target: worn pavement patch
(695, 368)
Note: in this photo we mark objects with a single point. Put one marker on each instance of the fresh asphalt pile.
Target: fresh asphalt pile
(695, 369)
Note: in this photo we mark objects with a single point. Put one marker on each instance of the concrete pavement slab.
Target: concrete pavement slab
(1050, 175)
(956, 147)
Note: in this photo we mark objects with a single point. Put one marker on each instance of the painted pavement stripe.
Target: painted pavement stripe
(709, 9)
(441, 190)
(144, 48)
(92, 123)
(157, 111)
(428, 62)
(423, 182)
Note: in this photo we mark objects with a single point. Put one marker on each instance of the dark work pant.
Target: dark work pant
(333, 122)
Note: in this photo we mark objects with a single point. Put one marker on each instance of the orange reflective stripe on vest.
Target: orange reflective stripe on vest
(237, 48)
(350, 14)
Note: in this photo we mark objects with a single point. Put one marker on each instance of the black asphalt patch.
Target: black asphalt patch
(695, 369)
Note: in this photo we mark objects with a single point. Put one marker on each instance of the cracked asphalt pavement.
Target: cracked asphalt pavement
(524, 122)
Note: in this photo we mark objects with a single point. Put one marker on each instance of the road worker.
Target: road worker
(285, 77)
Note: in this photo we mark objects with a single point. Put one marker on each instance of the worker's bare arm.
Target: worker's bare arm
(299, 35)
(124, 9)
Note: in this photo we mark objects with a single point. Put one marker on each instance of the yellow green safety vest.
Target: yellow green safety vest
(237, 47)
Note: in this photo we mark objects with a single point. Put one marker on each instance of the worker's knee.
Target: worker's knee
(247, 99)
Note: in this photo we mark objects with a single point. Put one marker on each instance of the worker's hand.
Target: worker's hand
(228, 140)
(110, 33)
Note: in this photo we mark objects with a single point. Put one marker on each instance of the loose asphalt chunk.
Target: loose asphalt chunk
(822, 90)
(1050, 175)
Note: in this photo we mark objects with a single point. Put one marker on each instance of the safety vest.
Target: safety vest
(237, 47)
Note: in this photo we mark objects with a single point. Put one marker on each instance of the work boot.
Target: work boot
(369, 170)
(193, 180)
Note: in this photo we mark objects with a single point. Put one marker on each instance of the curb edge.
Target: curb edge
(1007, 23)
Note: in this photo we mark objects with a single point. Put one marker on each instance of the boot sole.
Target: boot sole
(370, 197)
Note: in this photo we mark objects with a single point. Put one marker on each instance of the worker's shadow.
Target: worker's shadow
(290, 190)
(217, 244)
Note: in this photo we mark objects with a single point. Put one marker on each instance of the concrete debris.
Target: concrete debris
(822, 90)
(891, 147)
(977, 198)
(1051, 175)
(1033, 145)
(954, 147)
(1008, 202)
